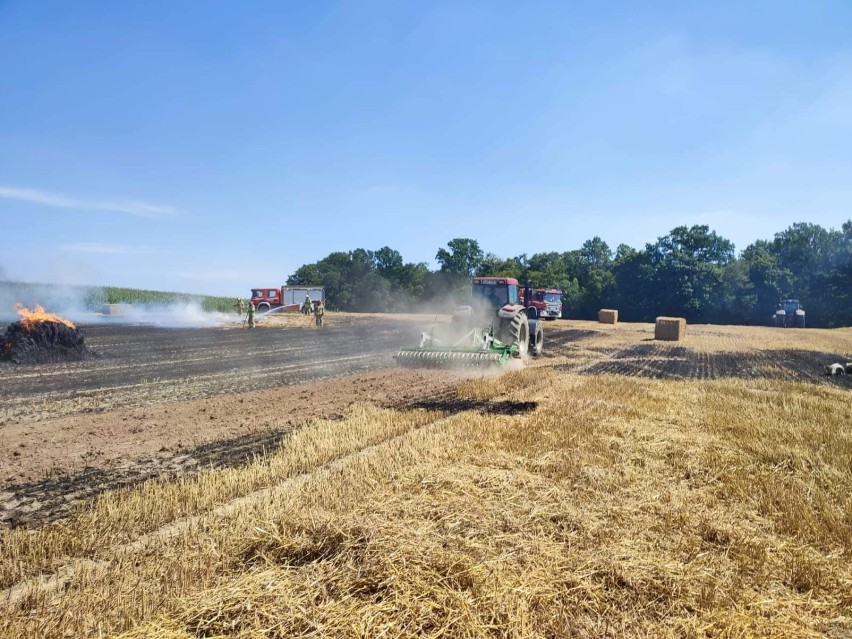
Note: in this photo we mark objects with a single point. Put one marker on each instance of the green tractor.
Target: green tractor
(789, 314)
(494, 328)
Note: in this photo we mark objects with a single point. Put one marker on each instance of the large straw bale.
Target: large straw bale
(608, 316)
(672, 329)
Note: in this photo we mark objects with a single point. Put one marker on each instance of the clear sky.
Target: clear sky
(214, 146)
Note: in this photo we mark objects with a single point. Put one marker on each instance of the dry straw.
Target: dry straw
(608, 316)
(672, 329)
(580, 506)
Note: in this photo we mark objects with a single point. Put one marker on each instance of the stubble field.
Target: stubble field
(617, 486)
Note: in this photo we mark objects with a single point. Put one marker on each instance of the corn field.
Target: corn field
(93, 298)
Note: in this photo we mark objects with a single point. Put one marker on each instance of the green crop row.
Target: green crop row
(120, 295)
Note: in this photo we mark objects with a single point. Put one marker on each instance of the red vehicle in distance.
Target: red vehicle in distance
(287, 298)
(546, 301)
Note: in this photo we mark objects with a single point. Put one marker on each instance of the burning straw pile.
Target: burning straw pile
(41, 337)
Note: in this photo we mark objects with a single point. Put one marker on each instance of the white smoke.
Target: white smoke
(84, 305)
(68, 301)
(177, 315)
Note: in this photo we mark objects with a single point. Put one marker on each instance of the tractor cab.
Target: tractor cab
(789, 313)
(494, 292)
(789, 306)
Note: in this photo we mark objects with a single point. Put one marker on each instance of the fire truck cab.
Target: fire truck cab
(552, 299)
(289, 298)
(547, 301)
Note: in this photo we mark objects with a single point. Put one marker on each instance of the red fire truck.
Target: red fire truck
(287, 298)
(547, 301)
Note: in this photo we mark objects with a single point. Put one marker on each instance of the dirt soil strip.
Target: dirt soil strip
(72, 459)
(10, 597)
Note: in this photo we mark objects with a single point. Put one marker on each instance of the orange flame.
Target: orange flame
(28, 317)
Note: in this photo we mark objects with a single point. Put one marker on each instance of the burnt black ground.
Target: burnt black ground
(141, 365)
(660, 360)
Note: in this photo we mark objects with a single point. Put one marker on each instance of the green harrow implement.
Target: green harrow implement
(476, 349)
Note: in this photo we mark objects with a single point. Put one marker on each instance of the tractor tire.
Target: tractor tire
(800, 321)
(536, 339)
(516, 331)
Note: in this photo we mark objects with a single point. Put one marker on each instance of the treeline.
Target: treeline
(691, 272)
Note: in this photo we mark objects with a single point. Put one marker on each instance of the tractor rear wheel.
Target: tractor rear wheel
(517, 331)
(537, 340)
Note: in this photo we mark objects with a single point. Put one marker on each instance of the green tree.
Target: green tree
(598, 283)
(634, 285)
(767, 281)
(463, 259)
(839, 283)
(388, 262)
(494, 266)
(810, 254)
(687, 268)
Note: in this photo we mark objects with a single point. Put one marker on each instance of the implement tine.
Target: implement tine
(450, 357)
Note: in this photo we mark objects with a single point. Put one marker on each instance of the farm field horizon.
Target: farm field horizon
(291, 482)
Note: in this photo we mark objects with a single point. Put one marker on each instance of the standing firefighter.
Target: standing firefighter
(319, 310)
(306, 305)
(239, 306)
(250, 315)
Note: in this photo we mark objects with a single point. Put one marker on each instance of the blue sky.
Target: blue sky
(215, 146)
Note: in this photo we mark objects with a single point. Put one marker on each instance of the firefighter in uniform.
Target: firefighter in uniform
(306, 305)
(240, 306)
(319, 310)
(250, 315)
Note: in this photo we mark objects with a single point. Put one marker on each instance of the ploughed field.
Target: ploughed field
(165, 401)
(273, 483)
(141, 365)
